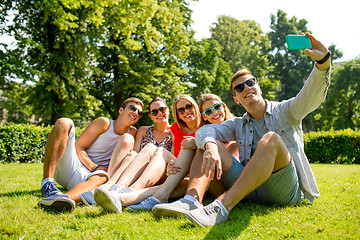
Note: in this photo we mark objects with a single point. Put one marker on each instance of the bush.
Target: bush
(26, 143)
(23, 142)
(341, 146)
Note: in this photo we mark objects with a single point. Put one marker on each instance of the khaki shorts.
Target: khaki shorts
(282, 187)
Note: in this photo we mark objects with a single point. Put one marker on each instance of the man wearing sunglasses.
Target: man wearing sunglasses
(81, 166)
(273, 167)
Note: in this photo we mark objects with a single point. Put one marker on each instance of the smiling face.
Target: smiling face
(160, 117)
(249, 95)
(188, 114)
(216, 117)
(130, 112)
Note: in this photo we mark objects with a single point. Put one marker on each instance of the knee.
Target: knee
(63, 124)
(151, 148)
(271, 138)
(126, 141)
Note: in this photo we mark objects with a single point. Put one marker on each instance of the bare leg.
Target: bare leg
(199, 182)
(270, 156)
(87, 186)
(137, 196)
(155, 170)
(56, 145)
(115, 176)
(183, 161)
(121, 150)
(137, 166)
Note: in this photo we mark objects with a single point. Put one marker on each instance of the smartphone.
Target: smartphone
(298, 42)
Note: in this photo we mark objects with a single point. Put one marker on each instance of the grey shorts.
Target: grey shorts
(282, 187)
(69, 170)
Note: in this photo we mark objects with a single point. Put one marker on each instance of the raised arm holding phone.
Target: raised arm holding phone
(273, 167)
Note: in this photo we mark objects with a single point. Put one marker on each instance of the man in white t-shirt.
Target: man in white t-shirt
(81, 166)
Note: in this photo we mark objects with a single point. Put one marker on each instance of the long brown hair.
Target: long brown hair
(209, 96)
(181, 124)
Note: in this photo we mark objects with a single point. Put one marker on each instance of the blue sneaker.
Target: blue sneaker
(146, 204)
(88, 198)
(49, 189)
(59, 202)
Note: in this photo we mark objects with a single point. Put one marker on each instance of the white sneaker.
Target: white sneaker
(208, 215)
(175, 209)
(108, 200)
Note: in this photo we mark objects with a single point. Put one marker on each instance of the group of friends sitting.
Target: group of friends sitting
(258, 157)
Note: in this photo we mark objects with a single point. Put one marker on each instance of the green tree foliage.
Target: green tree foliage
(244, 45)
(207, 71)
(52, 45)
(342, 107)
(143, 48)
(291, 67)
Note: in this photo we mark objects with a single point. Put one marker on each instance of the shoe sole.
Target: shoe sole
(104, 200)
(165, 212)
(193, 220)
(61, 205)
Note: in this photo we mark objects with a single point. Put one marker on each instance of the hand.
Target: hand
(171, 169)
(188, 143)
(211, 161)
(317, 51)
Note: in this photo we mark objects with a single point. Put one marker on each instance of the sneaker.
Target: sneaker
(208, 215)
(175, 209)
(49, 189)
(108, 200)
(120, 188)
(88, 198)
(146, 204)
(59, 202)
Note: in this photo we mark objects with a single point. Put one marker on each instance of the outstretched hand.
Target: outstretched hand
(317, 51)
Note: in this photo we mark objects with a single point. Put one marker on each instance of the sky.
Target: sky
(331, 22)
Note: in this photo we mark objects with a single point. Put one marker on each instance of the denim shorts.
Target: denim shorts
(282, 187)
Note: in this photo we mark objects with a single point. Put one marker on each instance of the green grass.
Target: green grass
(335, 215)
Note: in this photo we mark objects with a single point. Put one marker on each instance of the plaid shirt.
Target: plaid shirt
(284, 118)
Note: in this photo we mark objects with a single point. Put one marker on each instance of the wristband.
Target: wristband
(324, 59)
(95, 168)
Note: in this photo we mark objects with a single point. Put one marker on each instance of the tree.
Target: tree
(244, 45)
(207, 71)
(291, 67)
(342, 107)
(143, 48)
(52, 46)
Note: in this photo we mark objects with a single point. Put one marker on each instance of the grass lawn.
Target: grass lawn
(335, 215)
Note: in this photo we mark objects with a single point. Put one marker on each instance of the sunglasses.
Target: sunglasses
(136, 110)
(240, 87)
(155, 112)
(217, 107)
(182, 110)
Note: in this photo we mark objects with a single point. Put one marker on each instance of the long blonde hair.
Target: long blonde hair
(181, 124)
(209, 96)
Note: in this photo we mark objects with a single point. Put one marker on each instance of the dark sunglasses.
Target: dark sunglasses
(136, 110)
(240, 87)
(182, 110)
(155, 112)
(217, 107)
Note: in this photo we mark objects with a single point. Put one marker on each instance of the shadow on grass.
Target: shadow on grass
(239, 220)
(35, 193)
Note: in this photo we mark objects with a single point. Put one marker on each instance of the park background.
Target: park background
(81, 59)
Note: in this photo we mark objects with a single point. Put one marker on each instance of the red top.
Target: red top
(179, 136)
